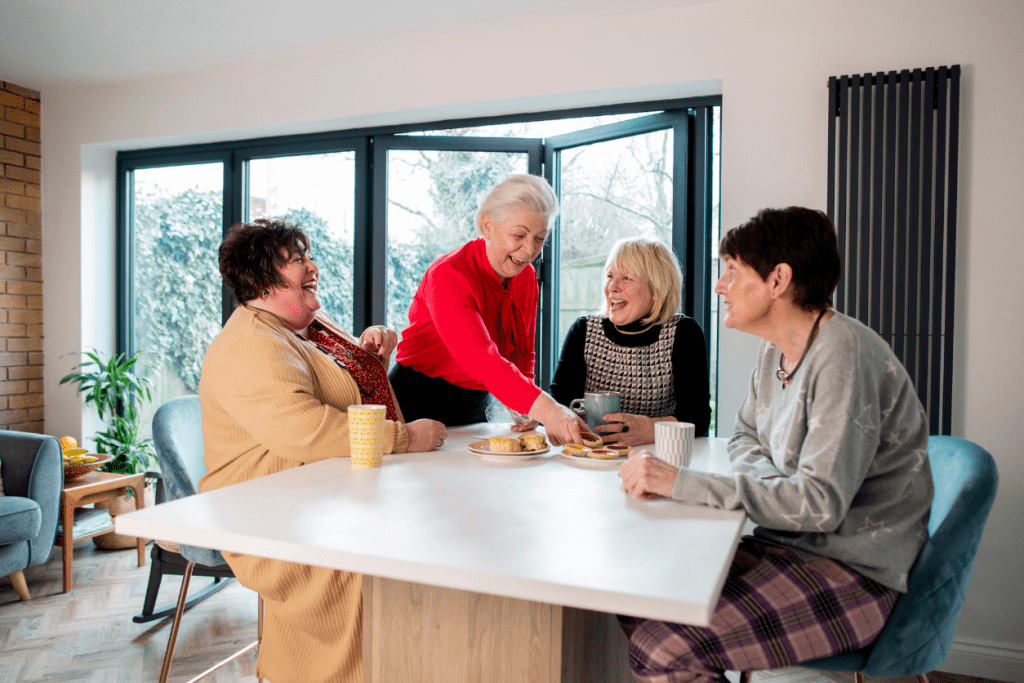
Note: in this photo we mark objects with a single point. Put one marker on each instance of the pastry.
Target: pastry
(592, 440)
(533, 441)
(619, 448)
(576, 450)
(504, 444)
(603, 453)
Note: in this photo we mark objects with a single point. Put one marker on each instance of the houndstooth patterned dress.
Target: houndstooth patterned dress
(643, 375)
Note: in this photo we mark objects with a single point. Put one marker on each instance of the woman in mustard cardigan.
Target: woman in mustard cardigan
(275, 387)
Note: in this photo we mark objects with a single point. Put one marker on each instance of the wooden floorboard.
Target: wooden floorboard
(87, 635)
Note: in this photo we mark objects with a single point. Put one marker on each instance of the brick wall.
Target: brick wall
(21, 280)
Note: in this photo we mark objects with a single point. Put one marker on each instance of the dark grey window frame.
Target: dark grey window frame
(689, 118)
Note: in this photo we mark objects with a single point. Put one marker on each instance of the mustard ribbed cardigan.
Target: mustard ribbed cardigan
(271, 402)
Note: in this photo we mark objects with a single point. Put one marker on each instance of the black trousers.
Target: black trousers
(421, 396)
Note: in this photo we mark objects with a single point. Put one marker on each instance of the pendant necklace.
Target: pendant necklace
(785, 377)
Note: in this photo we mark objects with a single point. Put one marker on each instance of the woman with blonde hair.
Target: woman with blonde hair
(639, 346)
(473, 319)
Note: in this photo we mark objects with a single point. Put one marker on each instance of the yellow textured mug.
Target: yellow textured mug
(366, 435)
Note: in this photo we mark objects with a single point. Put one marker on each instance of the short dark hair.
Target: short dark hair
(250, 255)
(803, 238)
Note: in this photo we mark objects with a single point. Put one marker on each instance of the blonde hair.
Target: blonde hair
(655, 262)
(531, 191)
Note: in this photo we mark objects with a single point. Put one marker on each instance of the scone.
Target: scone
(504, 444)
(533, 441)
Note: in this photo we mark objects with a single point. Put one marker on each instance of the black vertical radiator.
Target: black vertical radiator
(892, 193)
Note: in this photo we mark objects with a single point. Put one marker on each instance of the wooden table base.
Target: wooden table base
(442, 635)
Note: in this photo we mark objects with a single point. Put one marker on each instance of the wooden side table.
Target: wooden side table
(94, 487)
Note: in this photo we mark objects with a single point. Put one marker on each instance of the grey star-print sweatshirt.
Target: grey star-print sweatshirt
(836, 464)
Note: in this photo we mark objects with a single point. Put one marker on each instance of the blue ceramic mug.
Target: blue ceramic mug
(595, 405)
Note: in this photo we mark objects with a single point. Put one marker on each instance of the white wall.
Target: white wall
(771, 61)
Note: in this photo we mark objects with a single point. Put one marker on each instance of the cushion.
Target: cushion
(20, 519)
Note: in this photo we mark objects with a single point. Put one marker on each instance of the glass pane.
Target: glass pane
(535, 129)
(610, 190)
(432, 198)
(178, 224)
(316, 191)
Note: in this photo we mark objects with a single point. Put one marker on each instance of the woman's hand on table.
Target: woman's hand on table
(646, 477)
(425, 435)
(561, 424)
(379, 341)
(627, 429)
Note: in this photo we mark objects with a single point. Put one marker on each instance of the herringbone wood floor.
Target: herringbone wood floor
(87, 635)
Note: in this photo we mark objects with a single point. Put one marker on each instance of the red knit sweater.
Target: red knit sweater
(467, 329)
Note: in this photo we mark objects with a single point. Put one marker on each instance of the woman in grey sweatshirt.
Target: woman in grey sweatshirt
(829, 460)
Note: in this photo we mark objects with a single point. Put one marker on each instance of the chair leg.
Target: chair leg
(20, 587)
(858, 677)
(177, 623)
(922, 678)
(744, 677)
(169, 655)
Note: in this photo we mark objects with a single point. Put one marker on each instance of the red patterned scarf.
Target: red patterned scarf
(366, 370)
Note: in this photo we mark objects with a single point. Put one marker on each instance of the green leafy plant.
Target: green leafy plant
(116, 391)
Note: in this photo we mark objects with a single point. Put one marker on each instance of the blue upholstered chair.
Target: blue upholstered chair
(920, 630)
(33, 476)
(178, 437)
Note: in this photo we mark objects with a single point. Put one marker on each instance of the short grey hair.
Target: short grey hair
(531, 191)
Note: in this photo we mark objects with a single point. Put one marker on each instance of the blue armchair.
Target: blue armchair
(919, 633)
(33, 476)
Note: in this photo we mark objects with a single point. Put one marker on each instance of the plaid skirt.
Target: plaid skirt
(776, 610)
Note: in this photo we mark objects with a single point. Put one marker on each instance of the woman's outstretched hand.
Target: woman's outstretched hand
(646, 477)
(425, 435)
(561, 424)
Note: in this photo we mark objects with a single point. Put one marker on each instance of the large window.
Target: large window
(381, 205)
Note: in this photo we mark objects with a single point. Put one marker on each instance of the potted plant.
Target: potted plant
(112, 386)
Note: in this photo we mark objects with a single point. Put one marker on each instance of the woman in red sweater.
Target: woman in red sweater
(472, 321)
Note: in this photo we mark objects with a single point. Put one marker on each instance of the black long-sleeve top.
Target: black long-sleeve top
(649, 369)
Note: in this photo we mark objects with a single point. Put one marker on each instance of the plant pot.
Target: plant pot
(117, 506)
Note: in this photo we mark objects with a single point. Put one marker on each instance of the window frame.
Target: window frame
(691, 198)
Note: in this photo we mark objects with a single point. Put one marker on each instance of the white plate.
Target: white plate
(587, 461)
(483, 449)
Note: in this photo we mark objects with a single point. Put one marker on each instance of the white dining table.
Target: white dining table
(445, 538)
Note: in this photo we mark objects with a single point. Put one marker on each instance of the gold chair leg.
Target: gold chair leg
(177, 624)
(169, 655)
(20, 587)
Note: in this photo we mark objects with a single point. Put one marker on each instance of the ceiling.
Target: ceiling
(50, 43)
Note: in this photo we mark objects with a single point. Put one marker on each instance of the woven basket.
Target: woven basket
(117, 506)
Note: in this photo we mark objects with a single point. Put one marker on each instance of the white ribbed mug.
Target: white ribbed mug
(673, 442)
